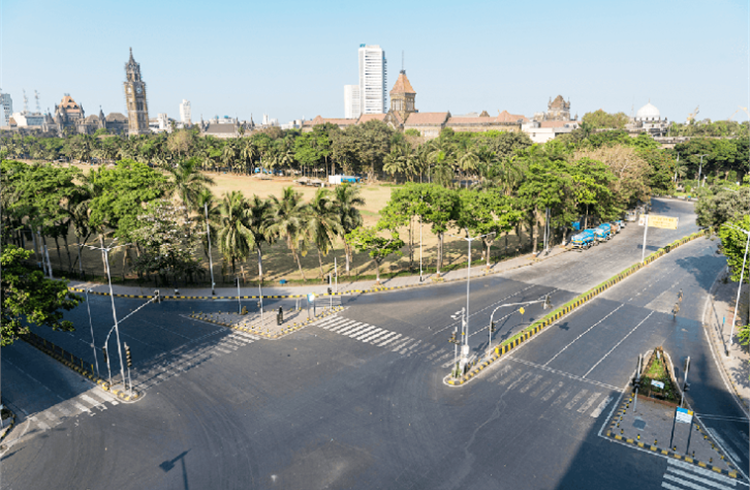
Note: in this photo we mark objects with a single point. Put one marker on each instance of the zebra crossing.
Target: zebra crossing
(187, 356)
(684, 476)
(387, 339)
(573, 396)
(89, 403)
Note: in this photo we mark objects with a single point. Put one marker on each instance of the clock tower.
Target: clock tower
(135, 98)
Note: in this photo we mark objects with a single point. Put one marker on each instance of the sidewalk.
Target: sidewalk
(321, 289)
(733, 359)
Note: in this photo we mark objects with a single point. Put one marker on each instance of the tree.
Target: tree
(630, 169)
(187, 182)
(600, 119)
(366, 239)
(169, 242)
(28, 298)
(289, 215)
(323, 224)
(258, 219)
(721, 203)
(733, 242)
(234, 237)
(347, 198)
(439, 208)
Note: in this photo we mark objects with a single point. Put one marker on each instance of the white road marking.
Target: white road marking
(705, 481)
(386, 337)
(351, 327)
(42, 425)
(617, 344)
(592, 399)
(576, 398)
(519, 380)
(81, 407)
(364, 333)
(584, 333)
(343, 326)
(689, 484)
(725, 446)
(530, 383)
(509, 378)
(89, 400)
(700, 471)
(541, 388)
(599, 409)
(375, 334)
(551, 392)
(561, 398)
(64, 410)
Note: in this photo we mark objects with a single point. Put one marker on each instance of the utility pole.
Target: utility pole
(239, 300)
(91, 324)
(700, 168)
(637, 381)
(210, 260)
(739, 287)
(645, 233)
(685, 384)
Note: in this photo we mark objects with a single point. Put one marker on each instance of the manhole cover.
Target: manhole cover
(639, 424)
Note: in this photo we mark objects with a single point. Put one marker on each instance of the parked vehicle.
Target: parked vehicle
(603, 232)
(583, 240)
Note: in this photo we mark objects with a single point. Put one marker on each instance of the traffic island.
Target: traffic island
(663, 428)
(267, 326)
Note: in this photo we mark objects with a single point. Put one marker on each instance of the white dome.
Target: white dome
(648, 112)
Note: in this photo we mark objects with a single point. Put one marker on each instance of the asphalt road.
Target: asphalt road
(358, 400)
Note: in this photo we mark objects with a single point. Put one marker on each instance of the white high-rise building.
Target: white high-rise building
(7, 105)
(352, 101)
(372, 80)
(185, 112)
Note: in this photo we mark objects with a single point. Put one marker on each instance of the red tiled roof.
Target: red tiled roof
(338, 122)
(471, 120)
(506, 117)
(402, 85)
(69, 104)
(427, 118)
(371, 117)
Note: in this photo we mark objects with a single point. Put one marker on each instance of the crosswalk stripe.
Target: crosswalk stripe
(689, 484)
(589, 402)
(329, 321)
(348, 328)
(50, 416)
(551, 392)
(64, 410)
(509, 377)
(81, 407)
(692, 476)
(390, 340)
(42, 425)
(364, 333)
(402, 344)
(91, 401)
(561, 398)
(342, 326)
(701, 471)
(519, 380)
(391, 334)
(576, 398)
(222, 350)
(356, 331)
(530, 383)
(378, 332)
(540, 388)
(599, 409)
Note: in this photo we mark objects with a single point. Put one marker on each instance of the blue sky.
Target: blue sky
(291, 59)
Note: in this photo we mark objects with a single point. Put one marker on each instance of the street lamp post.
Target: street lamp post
(239, 300)
(210, 260)
(700, 168)
(546, 302)
(465, 347)
(106, 251)
(739, 287)
(91, 324)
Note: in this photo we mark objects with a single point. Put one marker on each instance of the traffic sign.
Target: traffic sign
(667, 222)
(683, 415)
(521, 310)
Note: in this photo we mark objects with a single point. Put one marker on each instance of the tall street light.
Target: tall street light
(468, 239)
(547, 304)
(91, 324)
(700, 168)
(210, 260)
(105, 251)
(739, 287)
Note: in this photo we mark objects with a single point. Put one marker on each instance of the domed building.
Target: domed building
(648, 120)
(648, 112)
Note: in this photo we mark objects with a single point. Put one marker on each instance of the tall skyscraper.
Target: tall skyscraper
(372, 80)
(352, 109)
(185, 112)
(135, 98)
(7, 105)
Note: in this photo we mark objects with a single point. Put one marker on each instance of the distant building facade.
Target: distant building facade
(135, 98)
(557, 110)
(185, 116)
(352, 109)
(6, 104)
(372, 79)
(648, 120)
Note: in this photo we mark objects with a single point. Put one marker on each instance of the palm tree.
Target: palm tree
(206, 201)
(287, 220)
(323, 225)
(347, 198)
(234, 238)
(258, 219)
(228, 155)
(188, 183)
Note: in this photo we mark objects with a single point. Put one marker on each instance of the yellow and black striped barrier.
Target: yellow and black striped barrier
(575, 303)
(75, 363)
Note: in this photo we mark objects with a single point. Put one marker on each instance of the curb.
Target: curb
(76, 364)
(377, 289)
(572, 305)
(615, 423)
(251, 330)
(10, 426)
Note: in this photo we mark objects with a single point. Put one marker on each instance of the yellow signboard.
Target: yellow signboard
(521, 310)
(667, 222)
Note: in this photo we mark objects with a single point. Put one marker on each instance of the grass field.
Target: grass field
(278, 262)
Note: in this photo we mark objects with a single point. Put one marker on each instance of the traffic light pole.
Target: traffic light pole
(685, 384)
(637, 383)
(491, 327)
(130, 381)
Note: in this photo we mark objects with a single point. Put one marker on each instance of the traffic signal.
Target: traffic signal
(686, 387)
(104, 351)
(547, 302)
(157, 298)
(492, 327)
(127, 356)
(636, 382)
